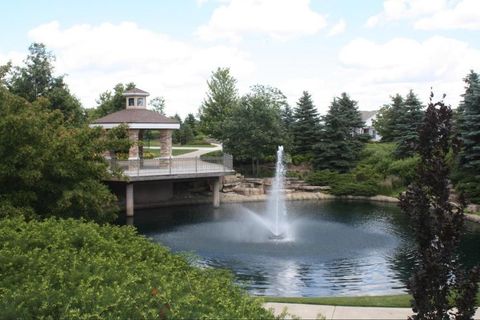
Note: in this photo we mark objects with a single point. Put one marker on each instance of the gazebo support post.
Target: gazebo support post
(129, 200)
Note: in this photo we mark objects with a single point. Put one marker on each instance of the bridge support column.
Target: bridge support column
(129, 200)
(216, 193)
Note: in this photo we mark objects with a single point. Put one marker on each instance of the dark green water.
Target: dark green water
(336, 248)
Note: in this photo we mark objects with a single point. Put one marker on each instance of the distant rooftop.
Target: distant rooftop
(135, 92)
(367, 114)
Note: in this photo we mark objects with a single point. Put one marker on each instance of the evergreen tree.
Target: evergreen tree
(386, 120)
(222, 97)
(193, 123)
(306, 126)
(438, 283)
(339, 147)
(177, 134)
(469, 129)
(407, 123)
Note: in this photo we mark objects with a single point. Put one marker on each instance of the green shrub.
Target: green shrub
(404, 168)
(301, 158)
(366, 189)
(69, 269)
(323, 178)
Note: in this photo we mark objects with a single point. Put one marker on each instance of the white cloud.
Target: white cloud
(431, 14)
(394, 10)
(97, 57)
(464, 15)
(381, 69)
(279, 19)
(337, 28)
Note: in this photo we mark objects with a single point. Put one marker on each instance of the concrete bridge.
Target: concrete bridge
(151, 180)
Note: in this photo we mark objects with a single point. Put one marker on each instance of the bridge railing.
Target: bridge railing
(171, 165)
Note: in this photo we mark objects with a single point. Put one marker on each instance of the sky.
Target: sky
(371, 49)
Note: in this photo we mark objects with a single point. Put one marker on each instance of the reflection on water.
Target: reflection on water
(340, 248)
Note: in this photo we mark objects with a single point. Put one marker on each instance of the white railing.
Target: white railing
(171, 166)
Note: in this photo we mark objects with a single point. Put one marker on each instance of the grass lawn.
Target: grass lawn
(392, 301)
(175, 152)
(397, 301)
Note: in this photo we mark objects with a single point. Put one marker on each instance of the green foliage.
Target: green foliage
(385, 122)
(306, 127)
(222, 98)
(35, 79)
(110, 102)
(68, 269)
(339, 148)
(437, 227)
(254, 129)
(469, 132)
(158, 104)
(48, 168)
(357, 183)
(406, 126)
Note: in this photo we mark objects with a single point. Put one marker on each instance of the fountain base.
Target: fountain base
(280, 236)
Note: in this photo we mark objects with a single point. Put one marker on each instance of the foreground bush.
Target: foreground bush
(356, 183)
(68, 269)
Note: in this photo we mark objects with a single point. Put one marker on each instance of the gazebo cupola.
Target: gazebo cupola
(139, 118)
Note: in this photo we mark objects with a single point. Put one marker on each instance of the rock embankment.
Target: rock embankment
(237, 188)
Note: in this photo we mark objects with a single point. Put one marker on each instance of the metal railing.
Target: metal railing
(170, 166)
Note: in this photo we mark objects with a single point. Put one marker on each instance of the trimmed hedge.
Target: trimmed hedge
(69, 269)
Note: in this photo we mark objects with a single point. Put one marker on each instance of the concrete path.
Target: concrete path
(311, 311)
(199, 152)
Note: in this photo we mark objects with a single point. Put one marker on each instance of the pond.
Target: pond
(335, 248)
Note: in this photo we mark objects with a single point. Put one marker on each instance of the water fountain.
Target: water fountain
(275, 219)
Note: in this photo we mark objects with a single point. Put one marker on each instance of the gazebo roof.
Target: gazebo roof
(135, 92)
(138, 119)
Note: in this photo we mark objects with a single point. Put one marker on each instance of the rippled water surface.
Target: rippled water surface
(334, 248)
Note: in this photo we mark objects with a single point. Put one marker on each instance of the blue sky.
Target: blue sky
(369, 49)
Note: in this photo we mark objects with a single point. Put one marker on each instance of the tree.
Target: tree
(339, 147)
(158, 104)
(177, 134)
(438, 283)
(385, 122)
(469, 131)
(222, 97)
(306, 126)
(192, 123)
(288, 121)
(35, 79)
(109, 102)
(406, 126)
(49, 169)
(254, 129)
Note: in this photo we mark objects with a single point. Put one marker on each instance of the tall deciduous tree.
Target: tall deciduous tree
(109, 102)
(49, 169)
(254, 129)
(438, 284)
(35, 79)
(339, 147)
(158, 104)
(222, 97)
(306, 126)
(469, 129)
(407, 123)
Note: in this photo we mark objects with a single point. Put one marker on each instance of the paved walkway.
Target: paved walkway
(199, 152)
(311, 311)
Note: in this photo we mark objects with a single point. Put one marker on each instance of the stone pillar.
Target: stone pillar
(129, 201)
(216, 193)
(165, 143)
(133, 153)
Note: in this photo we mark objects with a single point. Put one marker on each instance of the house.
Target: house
(368, 117)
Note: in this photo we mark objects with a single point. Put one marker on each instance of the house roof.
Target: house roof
(135, 92)
(135, 116)
(365, 115)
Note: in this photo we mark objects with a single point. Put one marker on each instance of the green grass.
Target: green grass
(177, 152)
(394, 301)
(390, 301)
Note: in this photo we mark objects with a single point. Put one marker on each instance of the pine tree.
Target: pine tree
(340, 147)
(407, 122)
(386, 122)
(469, 128)
(305, 129)
(438, 283)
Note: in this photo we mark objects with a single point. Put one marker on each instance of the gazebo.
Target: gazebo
(139, 118)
